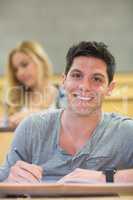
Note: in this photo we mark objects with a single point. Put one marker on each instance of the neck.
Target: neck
(42, 87)
(77, 124)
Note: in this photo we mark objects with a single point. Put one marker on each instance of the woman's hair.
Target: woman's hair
(15, 97)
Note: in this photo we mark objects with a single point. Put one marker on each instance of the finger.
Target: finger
(20, 179)
(17, 174)
(34, 170)
(13, 175)
(27, 176)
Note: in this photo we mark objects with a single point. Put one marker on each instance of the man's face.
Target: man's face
(86, 85)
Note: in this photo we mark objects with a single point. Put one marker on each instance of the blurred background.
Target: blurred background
(57, 24)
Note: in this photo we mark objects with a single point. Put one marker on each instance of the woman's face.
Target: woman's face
(25, 69)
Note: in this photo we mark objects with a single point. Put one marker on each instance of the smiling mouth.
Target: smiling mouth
(83, 98)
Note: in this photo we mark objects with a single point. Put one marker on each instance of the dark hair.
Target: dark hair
(95, 49)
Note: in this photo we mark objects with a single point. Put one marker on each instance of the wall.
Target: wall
(59, 23)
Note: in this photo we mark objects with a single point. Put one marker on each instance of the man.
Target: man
(80, 141)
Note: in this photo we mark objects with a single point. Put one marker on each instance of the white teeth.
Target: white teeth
(84, 98)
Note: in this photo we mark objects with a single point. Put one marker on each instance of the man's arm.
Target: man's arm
(125, 175)
(22, 137)
(93, 176)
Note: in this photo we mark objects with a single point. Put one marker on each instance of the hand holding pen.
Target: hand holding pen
(23, 172)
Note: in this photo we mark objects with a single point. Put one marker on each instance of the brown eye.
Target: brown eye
(76, 75)
(98, 79)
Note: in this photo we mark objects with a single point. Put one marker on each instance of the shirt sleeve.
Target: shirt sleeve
(126, 132)
(21, 137)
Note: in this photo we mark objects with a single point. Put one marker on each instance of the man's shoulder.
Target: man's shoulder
(118, 117)
(120, 121)
(40, 119)
(45, 115)
(38, 125)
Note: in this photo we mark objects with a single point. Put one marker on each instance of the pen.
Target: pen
(19, 155)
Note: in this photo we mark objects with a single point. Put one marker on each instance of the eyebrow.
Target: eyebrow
(95, 74)
(76, 70)
(98, 74)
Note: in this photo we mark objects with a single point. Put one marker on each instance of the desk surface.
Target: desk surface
(5, 142)
(6, 129)
(76, 198)
(68, 190)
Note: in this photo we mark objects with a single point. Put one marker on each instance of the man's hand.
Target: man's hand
(23, 172)
(84, 175)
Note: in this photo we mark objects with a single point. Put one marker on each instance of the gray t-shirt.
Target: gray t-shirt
(37, 139)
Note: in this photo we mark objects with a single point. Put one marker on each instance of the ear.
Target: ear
(63, 78)
(111, 86)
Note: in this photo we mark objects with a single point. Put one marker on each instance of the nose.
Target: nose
(20, 73)
(85, 85)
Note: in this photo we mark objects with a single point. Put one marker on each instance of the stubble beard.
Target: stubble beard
(85, 111)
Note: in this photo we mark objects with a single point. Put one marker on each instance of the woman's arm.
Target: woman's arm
(15, 119)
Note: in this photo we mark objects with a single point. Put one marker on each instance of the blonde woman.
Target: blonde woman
(29, 88)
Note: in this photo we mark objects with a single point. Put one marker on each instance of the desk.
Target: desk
(127, 197)
(118, 105)
(6, 129)
(121, 101)
(5, 141)
(70, 191)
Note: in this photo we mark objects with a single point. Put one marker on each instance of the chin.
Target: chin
(29, 85)
(85, 111)
(82, 112)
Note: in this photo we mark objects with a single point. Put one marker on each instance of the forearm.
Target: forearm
(120, 176)
(98, 176)
(124, 176)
